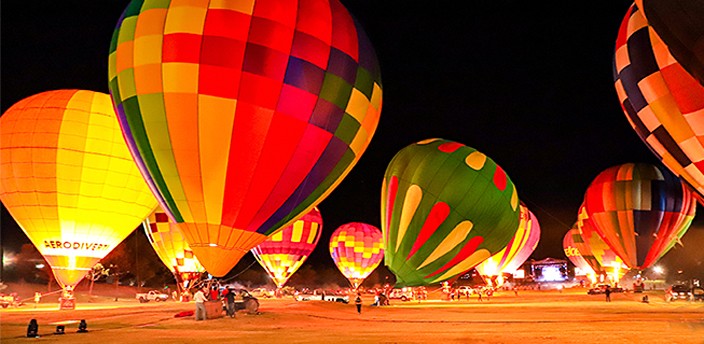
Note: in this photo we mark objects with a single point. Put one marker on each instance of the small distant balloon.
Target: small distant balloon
(569, 245)
(286, 250)
(357, 249)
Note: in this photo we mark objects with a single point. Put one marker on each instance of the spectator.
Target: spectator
(200, 300)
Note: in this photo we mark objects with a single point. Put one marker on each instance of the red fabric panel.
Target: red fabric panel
(436, 217)
(181, 47)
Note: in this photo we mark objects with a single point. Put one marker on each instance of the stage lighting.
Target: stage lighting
(60, 329)
(82, 327)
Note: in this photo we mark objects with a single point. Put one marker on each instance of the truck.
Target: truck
(152, 295)
(10, 300)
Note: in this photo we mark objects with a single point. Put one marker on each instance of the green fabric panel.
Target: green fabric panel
(364, 82)
(152, 4)
(348, 129)
(131, 106)
(126, 30)
(336, 90)
(133, 8)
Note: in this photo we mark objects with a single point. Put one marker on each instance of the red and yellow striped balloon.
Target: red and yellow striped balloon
(518, 249)
(67, 178)
(284, 252)
(357, 249)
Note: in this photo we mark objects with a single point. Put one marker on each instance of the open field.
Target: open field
(530, 317)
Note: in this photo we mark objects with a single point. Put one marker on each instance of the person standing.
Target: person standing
(214, 296)
(230, 297)
(607, 292)
(358, 303)
(200, 300)
(37, 298)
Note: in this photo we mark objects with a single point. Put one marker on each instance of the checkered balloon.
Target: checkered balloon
(242, 115)
(663, 102)
(357, 249)
(171, 247)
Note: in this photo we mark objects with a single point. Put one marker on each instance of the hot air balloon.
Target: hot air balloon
(602, 258)
(446, 208)
(171, 247)
(662, 101)
(357, 249)
(242, 115)
(285, 251)
(574, 255)
(638, 209)
(67, 178)
(679, 23)
(516, 252)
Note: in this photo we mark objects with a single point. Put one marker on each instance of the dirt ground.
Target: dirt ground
(530, 317)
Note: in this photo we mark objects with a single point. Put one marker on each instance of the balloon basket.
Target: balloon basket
(67, 303)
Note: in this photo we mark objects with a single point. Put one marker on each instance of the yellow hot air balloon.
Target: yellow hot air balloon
(68, 179)
(171, 247)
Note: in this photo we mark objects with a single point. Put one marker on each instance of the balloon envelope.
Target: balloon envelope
(171, 247)
(573, 253)
(242, 115)
(663, 103)
(679, 23)
(286, 250)
(601, 257)
(638, 209)
(445, 208)
(67, 178)
(357, 249)
(518, 249)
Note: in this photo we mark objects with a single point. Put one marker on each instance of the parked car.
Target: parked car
(152, 295)
(465, 290)
(403, 294)
(323, 295)
(262, 293)
(243, 301)
(697, 294)
(10, 300)
(679, 292)
(601, 289)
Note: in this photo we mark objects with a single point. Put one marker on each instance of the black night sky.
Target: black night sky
(528, 83)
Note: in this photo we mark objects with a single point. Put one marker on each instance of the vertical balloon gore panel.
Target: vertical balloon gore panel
(242, 115)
